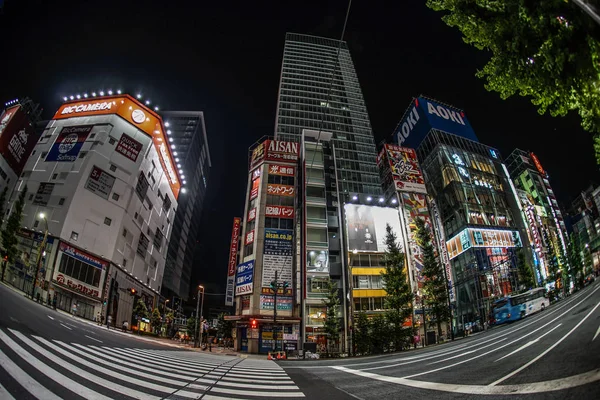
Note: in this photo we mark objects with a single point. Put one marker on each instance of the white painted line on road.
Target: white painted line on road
(254, 386)
(461, 354)
(547, 350)
(4, 394)
(50, 317)
(89, 337)
(528, 344)
(71, 325)
(67, 327)
(525, 388)
(31, 385)
(34, 387)
(597, 333)
(262, 381)
(245, 392)
(14, 320)
(93, 377)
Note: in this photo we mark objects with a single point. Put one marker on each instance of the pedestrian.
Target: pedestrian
(109, 321)
(98, 320)
(125, 326)
(74, 308)
(54, 302)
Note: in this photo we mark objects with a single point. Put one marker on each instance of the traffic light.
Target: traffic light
(286, 285)
(132, 291)
(253, 324)
(274, 286)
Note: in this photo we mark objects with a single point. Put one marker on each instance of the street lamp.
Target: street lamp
(41, 250)
(200, 287)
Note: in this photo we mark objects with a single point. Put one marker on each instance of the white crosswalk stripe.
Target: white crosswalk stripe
(34, 366)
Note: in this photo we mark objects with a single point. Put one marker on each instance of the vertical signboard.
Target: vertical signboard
(405, 169)
(443, 250)
(244, 278)
(277, 256)
(415, 206)
(233, 249)
(17, 138)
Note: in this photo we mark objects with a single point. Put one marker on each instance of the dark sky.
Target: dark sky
(225, 58)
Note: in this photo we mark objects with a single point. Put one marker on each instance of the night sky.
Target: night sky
(225, 59)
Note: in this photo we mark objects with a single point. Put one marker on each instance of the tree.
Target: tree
(13, 224)
(224, 327)
(575, 258)
(332, 322)
(382, 334)
(140, 311)
(524, 270)
(191, 327)
(399, 295)
(155, 320)
(435, 285)
(168, 323)
(362, 334)
(588, 262)
(2, 201)
(546, 50)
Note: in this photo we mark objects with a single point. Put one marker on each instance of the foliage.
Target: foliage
(362, 334)
(435, 285)
(399, 295)
(168, 323)
(224, 327)
(381, 334)
(13, 224)
(2, 201)
(155, 319)
(575, 258)
(546, 50)
(140, 311)
(588, 262)
(524, 270)
(191, 327)
(332, 322)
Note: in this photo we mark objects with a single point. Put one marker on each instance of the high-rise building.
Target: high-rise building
(187, 135)
(319, 90)
(474, 203)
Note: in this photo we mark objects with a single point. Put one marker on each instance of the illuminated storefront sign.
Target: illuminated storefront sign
(538, 165)
(473, 237)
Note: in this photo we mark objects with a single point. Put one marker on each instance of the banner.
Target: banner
(67, 145)
(284, 303)
(277, 256)
(43, 194)
(472, 237)
(255, 187)
(405, 169)
(281, 190)
(244, 278)
(443, 250)
(100, 182)
(415, 206)
(275, 150)
(233, 249)
(249, 238)
(82, 256)
(279, 211)
(365, 227)
(129, 147)
(17, 138)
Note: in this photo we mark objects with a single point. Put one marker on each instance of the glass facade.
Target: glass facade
(309, 64)
(186, 131)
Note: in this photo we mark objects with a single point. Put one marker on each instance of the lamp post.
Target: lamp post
(200, 287)
(41, 250)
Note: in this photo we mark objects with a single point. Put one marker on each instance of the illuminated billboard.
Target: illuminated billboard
(404, 168)
(233, 250)
(275, 150)
(426, 114)
(474, 237)
(139, 116)
(365, 227)
(17, 138)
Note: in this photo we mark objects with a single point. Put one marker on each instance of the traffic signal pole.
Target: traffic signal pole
(275, 311)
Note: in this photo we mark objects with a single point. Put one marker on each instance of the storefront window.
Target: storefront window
(317, 285)
(316, 315)
(78, 270)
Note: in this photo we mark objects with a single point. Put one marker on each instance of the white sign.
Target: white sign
(167, 161)
(100, 182)
(105, 105)
(138, 116)
(366, 227)
(290, 336)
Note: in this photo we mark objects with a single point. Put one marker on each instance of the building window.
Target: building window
(143, 245)
(54, 176)
(92, 135)
(82, 154)
(166, 203)
(36, 223)
(115, 196)
(158, 237)
(113, 167)
(74, 235)
(248, 250)
(111, 140)
(61, 201)
(124, 232)
(78, 270)
(44, 154)
(124, 262)
(148, 281)
(107, 221)
(30, 198)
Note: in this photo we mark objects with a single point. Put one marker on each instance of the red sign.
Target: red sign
(282, 170)
(129, 147)
(252, 214)
(17, 138)
(254, 191)
(275, 150)
(249, 237)
(233, 248)
(537, 164)
(81, 288)
(281, 190)
(279, 211)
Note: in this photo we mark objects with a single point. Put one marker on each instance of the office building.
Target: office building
(187, 135)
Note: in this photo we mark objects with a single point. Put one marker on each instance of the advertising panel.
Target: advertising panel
(258, 154)
(284, 303)
(415, 206)
(249, 237)
(43, 194)
(100, 182)
(255, 187)
(138, 115)
(282, 151)
(244, 278)
(440, 235)
(424, 115)
(17, 138)
(473, 237)
(279, 211)
(317, 261)
(256, 174)
(365, 226)
(537, 163)
(405, 169)
(281, 190)
(252, 214)
(129, 147)
(82, 256)
(277, 256)
(233, 249)
(69, 143)
(282, 170)
(77, 285)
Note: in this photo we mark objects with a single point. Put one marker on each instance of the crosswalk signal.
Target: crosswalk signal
(286, 285)
(253, 324)
(274, 286)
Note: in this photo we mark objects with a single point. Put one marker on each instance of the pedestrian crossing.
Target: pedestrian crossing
(34, 367)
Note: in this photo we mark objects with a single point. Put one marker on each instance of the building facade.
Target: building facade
(319, 90)
(102, 183)
(187, 134)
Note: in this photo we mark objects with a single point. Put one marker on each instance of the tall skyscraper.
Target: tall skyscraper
(308, 99)
(187, 134)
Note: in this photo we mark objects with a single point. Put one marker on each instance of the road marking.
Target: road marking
(526, 388)
(4, 394)
(528, 344)
(67, 327)
(50, 317)
(245, 392)
(71, 325)
(547, 350)
(33, 386)
(597, 333)
(14, 320)
(462, 354)
(89, 337)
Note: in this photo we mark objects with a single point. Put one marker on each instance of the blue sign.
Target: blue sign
(244, 278)
(424, 115)
(278, 242)
(69, 143)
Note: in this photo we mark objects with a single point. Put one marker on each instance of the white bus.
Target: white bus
(533, 300)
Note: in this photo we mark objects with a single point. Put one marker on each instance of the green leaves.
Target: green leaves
(524, 270)
(13, 224)
(332, 302)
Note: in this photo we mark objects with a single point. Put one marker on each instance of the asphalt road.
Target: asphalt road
(554, 354)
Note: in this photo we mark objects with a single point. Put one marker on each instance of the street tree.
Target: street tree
(332, 322)
(13, 224)
(362, 334)
(140, 311)
(575, 259)
(524, 270)
(382, 334)
(399, 297)
(546, 50)
(435, 285)
(2, 203)
(588, 263)
(168, 323)
(191, 327)
(224, 327)
(155, 320)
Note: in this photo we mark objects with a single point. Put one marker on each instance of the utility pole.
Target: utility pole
(424, 321)
(197, 316)
(40, 255)
(275, 312)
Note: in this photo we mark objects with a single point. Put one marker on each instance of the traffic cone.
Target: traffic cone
(278, 355)
(269, 356)
(283, 356)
